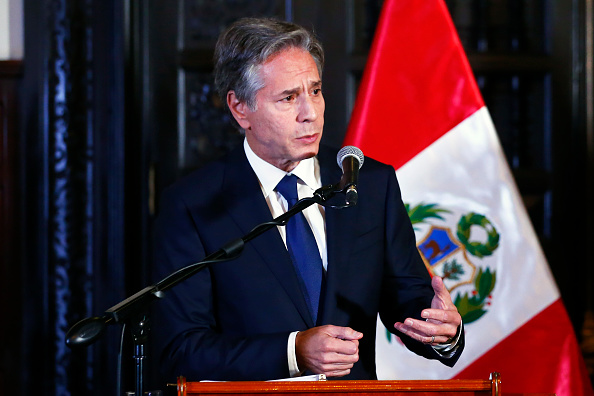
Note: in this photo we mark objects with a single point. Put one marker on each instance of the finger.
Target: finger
(337, 373)
(437, 316)
(424, 331)
(343, 333)
(421, 336)
(345, 347)
(338, 362)
(439, 287)
(335, 364)
(435, 328)
(442, 298)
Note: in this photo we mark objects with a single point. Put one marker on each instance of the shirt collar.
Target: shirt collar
(269, 175)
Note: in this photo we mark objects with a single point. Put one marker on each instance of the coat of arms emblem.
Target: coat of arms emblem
(456, 254)
(453, 255)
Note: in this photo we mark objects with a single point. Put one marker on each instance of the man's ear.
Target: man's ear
(239, 110)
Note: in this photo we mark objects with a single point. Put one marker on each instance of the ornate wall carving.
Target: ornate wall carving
(70, 182)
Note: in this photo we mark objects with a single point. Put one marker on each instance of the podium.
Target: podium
(491, 387)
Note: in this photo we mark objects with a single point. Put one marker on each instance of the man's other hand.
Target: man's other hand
(330, 350)
(441, 320)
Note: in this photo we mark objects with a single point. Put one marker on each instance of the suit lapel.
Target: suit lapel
(247, 207)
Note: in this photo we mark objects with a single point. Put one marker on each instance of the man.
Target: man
(258, 317)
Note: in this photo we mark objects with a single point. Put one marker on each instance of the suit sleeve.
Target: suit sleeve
(186, 338)
(406, 287)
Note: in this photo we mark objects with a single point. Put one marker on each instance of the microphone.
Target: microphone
(350, 160)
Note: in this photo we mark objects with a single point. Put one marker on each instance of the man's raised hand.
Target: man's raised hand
(441, 320)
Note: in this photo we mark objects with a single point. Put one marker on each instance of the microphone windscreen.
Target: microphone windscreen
(350, 151)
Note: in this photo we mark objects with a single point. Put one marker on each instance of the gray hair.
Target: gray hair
(247, 44)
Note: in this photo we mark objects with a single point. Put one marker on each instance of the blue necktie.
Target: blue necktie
(302, 247)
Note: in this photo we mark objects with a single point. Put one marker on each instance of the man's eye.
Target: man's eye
(317, 91)
(288, 98)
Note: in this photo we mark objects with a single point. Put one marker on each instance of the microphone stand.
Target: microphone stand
(132, 310)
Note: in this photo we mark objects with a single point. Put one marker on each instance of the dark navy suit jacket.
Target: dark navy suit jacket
(232, 321)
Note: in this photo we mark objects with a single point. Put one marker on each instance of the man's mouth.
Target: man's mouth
(308, 138)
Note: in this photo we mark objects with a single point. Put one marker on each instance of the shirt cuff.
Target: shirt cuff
(448, 350)
(292, 356)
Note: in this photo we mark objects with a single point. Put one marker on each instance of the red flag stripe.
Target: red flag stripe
(541, 356)
(417, 84)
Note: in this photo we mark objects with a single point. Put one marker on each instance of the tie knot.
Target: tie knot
(287, 187)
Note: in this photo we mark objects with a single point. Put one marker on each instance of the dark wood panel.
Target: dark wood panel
(10, 276)
(506, 63)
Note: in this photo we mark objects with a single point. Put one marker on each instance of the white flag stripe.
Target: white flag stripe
(465, 171)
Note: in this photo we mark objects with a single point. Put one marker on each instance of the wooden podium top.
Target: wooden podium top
(358, 388)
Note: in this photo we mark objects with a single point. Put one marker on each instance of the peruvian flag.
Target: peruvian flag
(419, 109)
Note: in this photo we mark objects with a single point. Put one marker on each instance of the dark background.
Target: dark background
(113, 101)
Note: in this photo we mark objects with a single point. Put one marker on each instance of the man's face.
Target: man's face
(286, 126)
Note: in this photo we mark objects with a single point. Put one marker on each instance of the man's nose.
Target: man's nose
(309, 108)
